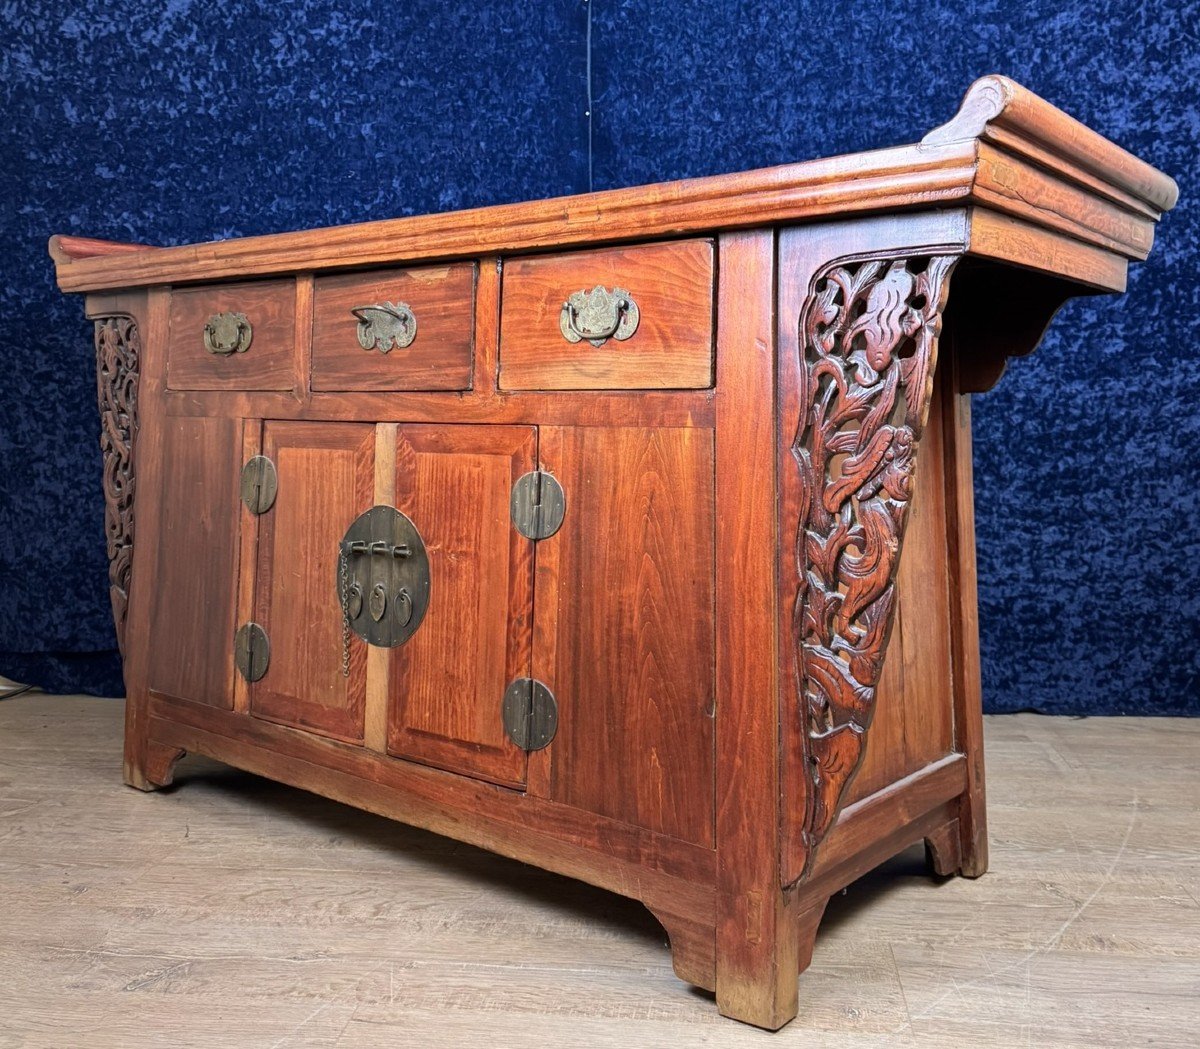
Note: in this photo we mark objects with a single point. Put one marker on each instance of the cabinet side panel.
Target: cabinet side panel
(913, 723)
(634, 605)
(195, 581)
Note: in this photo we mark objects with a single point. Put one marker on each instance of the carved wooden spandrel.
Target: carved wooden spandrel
(868, 345)
(118, 353)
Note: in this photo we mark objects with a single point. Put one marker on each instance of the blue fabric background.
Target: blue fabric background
(176, 122)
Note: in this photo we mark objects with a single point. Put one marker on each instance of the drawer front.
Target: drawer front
(233, 337)
(394, 329)
(636, 318)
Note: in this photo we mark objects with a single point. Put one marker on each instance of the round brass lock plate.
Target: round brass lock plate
(259, 484)
(530, 714)
(251, 651)
(537, 505)
(382, 577)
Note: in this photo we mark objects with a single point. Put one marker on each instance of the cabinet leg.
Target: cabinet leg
(758, 958)
(972, 836)
(151, 765)
(943, 850)
(808, 921)
(693, 947)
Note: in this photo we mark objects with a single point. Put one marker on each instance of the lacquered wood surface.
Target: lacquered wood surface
(672, 348)
(270, 361)
(625, 603)
(720, 615)
(913, 725)
(195, 579)
(447, 682)
(326, 479)
(440, 356)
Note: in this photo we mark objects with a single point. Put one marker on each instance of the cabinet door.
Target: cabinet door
(447, 682)
(625, 637)
(326, 479)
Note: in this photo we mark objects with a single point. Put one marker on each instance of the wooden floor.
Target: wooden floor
(231, 912)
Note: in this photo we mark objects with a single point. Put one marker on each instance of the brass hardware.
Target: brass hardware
(259, 484)
(226, 333)
(251, 651)
(386, 326)
(537, 505)
(383, 557)
(530, 714)
(354, 600)
(599, 315)
(377, 603)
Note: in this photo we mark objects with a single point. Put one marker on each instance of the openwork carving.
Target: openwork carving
(118, 350)
(868, 345)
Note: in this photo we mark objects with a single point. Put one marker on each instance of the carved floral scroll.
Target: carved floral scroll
(868, 345)
(118, 349)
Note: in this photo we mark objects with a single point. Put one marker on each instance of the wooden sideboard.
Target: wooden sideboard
(572, 529)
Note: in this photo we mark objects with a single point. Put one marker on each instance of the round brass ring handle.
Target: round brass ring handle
(227, 333)
(599, 315)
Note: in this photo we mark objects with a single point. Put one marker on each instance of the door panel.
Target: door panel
(625, 634)
(447, 682)
(326, 479)
(195, 579)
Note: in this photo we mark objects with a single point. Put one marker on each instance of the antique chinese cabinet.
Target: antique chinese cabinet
(573, 529)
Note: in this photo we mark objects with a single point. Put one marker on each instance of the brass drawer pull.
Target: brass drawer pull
(385, 326)
(599, 315)
(227, 333)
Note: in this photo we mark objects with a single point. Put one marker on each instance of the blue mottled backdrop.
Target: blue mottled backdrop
(184, 121)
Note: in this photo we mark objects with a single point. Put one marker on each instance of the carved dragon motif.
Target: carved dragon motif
(118, 351)
(868, 345)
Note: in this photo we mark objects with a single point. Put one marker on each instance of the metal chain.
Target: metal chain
(344, 594)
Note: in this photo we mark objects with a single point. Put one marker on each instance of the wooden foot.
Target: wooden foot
(758, 959)
(943, 850)
(808, 921)
(693, 948)
(973, 841)
(152, 766)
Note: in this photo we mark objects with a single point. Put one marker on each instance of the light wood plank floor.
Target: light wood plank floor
(232, 912)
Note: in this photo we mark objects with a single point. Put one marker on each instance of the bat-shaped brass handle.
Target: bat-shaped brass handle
(385, 326)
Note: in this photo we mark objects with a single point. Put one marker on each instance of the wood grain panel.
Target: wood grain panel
(802, 252)
(270, 361)
(442, 300)
(672, 285)
(632, 608)
(913, 723)
(326, 479)
(448, 680)
(194, 586)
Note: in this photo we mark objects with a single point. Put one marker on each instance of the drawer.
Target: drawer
(233, 337)
(635, 318)
(394, 329)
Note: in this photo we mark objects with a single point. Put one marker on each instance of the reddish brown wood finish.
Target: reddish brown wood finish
(270, 361)
(672, 285)
(758, 947)
(326, 479)
(728, 602)
(118, 368)
(447, 683)
(195, 579)
(625, 604)
(442, 300)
